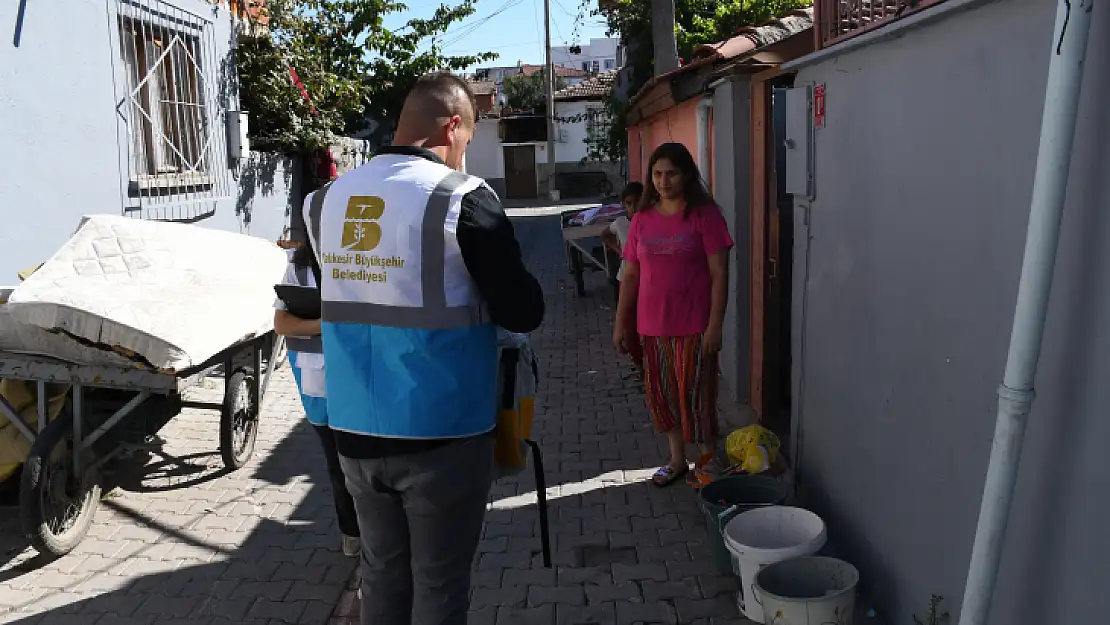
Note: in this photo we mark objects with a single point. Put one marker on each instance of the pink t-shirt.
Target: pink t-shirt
(673, 254)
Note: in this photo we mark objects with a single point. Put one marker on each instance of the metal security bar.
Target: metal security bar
(177, 166)
(597, 128)
(837, 20)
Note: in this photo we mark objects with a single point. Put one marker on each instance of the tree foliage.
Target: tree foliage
(696, 22)
(352, 67)
(528, 92)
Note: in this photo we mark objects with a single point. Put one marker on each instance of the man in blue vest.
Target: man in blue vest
(419, 267)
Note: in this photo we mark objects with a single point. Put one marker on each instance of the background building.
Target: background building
(599, 55)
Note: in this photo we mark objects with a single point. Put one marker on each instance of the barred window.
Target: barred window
(167, 103)
(597, 128)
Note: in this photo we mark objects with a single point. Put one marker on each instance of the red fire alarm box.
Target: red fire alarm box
(819, 106)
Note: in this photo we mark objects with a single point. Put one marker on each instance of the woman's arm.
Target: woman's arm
(288, 324)
(626, 305)
(718, 302)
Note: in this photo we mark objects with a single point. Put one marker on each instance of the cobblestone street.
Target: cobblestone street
(181, 542)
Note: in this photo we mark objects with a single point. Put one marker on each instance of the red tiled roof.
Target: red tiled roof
(749, 38)
(595, 88)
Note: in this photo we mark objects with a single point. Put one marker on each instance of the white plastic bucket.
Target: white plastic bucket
(808, 591)
(764, 536)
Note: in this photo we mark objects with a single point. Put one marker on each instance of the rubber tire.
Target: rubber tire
(34, 525)
(238, 383)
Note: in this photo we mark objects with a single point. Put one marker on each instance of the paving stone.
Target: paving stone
(722, 606)
(542, 615)
(682, 570)
(639, 572)
(305, 591)
(713, 585)
(283, 611)
(600, 614)
(665, 591)
(585, 575)
(646, 613)
(274, 591)
(624, 591)
(116, 619)
(559, 595)
(484, 616)
(228, 608)
(167, 607)
(118, 603)
(666, 554)
(530, 577)
(515, 596)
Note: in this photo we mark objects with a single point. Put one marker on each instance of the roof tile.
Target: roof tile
(595, 88)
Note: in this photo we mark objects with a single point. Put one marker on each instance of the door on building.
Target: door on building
(772, 257)
(520, 172)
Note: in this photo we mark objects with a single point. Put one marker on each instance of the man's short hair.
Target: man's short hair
(442, 94)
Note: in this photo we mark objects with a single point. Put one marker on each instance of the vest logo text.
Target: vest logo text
(361, 230)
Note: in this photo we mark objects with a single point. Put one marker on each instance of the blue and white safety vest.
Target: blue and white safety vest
(307, 371)
(409, 351)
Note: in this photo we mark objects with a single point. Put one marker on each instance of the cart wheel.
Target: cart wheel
(56, 506)
(239, 419)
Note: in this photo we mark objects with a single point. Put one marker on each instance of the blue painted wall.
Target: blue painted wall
(61, 140)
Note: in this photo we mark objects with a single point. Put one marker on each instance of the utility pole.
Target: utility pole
(662, 35)
(549, 85)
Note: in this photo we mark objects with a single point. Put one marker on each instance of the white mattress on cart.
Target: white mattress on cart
(175, 294)
(21, 338)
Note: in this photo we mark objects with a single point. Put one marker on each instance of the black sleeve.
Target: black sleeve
(492, 256)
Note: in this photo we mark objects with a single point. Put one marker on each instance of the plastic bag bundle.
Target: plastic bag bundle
(754, 448)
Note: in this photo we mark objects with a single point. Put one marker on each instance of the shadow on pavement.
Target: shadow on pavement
(260, 553)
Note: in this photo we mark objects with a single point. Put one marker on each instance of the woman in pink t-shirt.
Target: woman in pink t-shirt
(675, 279)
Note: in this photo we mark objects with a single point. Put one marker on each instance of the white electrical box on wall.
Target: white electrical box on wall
(238, 145)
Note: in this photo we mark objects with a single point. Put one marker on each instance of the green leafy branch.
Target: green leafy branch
(352, 67)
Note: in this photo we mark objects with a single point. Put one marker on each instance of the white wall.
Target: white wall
(484, 157)
(573, 149)
(64, 143)
(923, 174)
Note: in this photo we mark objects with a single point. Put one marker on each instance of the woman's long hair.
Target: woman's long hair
(694, 190)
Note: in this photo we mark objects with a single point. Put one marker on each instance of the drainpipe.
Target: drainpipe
(704, 106)
(1015, 396)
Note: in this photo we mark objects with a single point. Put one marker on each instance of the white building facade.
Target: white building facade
(599, 55)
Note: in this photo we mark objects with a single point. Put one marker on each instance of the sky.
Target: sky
(511, 28)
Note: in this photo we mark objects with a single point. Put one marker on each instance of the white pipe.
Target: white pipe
(1015, 396)
(704, 106)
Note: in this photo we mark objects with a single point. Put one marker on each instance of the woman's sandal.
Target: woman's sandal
(667, 475)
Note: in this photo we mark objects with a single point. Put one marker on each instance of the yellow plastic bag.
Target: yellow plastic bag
(516, 398)
(754, 448)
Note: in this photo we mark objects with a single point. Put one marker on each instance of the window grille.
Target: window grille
(170, 64)
(597, 128)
